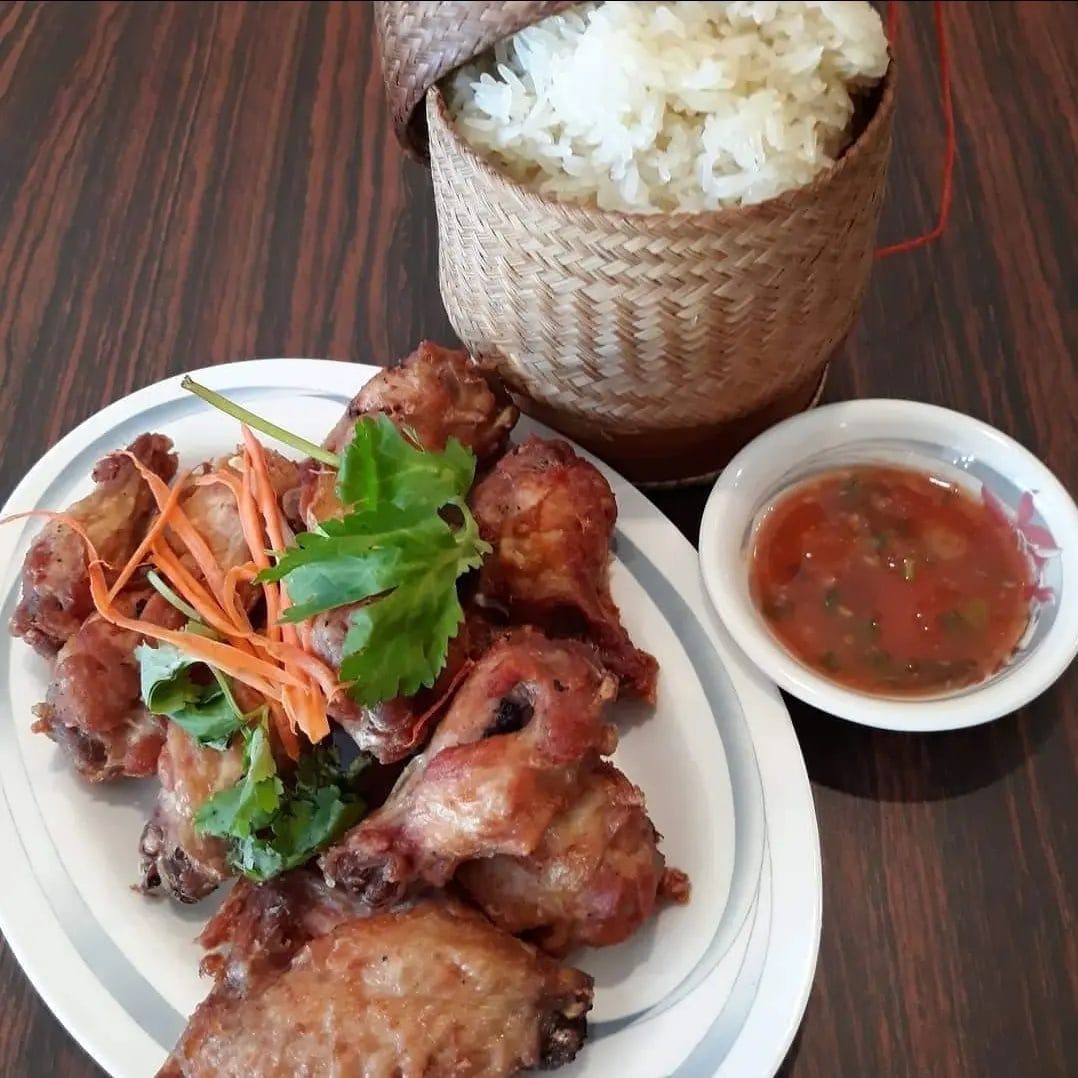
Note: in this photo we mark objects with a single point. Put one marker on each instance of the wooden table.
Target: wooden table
(189, 183)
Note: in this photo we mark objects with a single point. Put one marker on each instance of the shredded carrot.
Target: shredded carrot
(179, 522)
(283, 726)
(147, 540)
(257, 673)
(278, 663)
(308, 708)
(233, 607)
(185, 583)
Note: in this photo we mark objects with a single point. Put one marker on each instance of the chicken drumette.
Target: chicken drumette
(594, 879)
(189, 866)
(436, 394)
(502, 764)
(308, 985)
(55, 583)
(93, 708)
(550, 517)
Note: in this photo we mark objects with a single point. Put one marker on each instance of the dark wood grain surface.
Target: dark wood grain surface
(191, 183)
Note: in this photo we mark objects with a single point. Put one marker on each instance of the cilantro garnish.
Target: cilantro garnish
(407, 537)
(274, 824)
(205, 708)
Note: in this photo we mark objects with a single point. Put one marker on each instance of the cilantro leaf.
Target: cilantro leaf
(248, 806)
(302, 828)
(207, 711)
(274, 825)
(394, 558)
(398, 644)
(212, 721)
(382, 466)
(353, 559)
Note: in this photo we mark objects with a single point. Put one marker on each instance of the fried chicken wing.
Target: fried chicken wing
(260, 926)
(394, 729)
(437, 394)
(187, 865)
(430, 990)
(93, 708)
(55, 597)
(213, 511)
(502, 764)
(593, 880)
(550, 517)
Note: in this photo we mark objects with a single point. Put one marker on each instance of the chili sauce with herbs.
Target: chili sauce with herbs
(891, 581)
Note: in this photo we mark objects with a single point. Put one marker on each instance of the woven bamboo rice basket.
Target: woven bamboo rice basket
(661, 342)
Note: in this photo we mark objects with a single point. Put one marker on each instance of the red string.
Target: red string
(949, 153)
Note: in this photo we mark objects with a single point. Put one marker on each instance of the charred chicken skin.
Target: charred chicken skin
(501, 765)
(550, 516)
(55, 583)
(596, 876)
(432, 989)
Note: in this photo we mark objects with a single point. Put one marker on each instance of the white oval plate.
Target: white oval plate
(120, 971)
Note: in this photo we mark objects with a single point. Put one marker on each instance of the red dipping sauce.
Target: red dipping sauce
(891, 581)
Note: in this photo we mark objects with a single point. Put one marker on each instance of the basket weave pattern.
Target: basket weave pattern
(422, 41)
(635, 324)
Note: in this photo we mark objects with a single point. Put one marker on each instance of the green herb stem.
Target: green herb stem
(171, 597)
(271, 430)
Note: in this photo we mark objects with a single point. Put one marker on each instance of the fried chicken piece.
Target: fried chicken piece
(55, 584)
(213, 511)
(550, 517)
(502, 764)
(174, 856)
(394, 729)
(430, 990)
(437, 394)
(93, 707)
(260, 926)
(593, 880)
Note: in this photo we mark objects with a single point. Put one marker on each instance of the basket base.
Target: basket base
(678, 457)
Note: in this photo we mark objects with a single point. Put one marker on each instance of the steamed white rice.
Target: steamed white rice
(653, 107)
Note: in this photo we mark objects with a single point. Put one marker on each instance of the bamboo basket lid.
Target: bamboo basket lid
(421, 42)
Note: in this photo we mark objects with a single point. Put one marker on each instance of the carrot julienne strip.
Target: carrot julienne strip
(181, 524)
(147, 540)
(191, 589)
(308, 708)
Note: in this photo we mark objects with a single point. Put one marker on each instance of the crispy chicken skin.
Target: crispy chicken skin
(395, 729)
(187, 865)
(260, 926)
(437, 394)
(55, 585)
(550, 517)
(501, 765)
(431, 990)
(212, 509)
(594, 879)
(93, 708)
